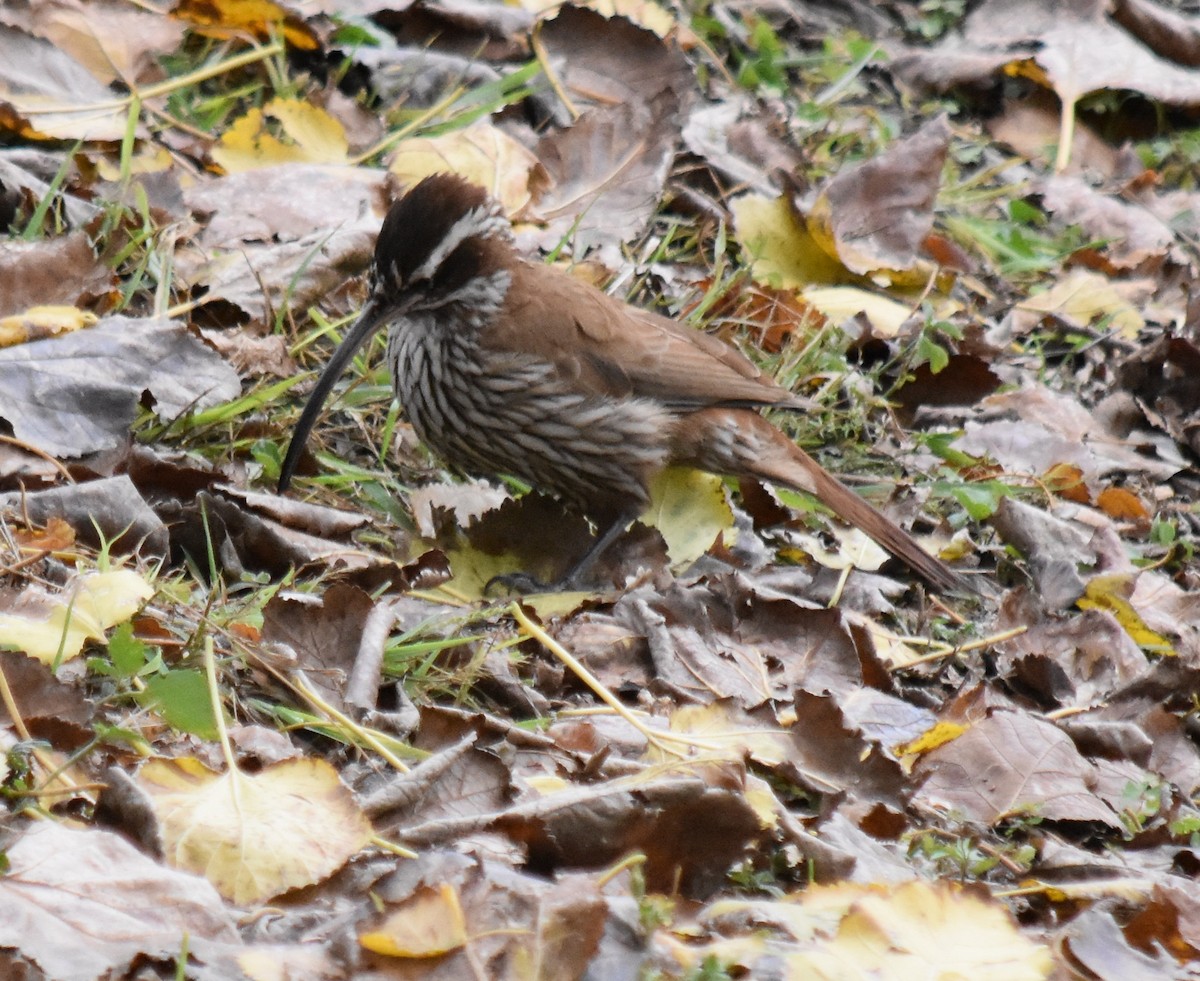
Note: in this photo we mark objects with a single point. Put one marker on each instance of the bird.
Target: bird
(506, 366)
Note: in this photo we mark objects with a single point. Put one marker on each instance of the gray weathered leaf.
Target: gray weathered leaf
(79, 393)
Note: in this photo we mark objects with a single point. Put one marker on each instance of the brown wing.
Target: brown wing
(612, 348)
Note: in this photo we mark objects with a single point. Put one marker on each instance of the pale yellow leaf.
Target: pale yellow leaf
(908, 932)
(306, 134)
(855, 549)
(644, 13)
(782, 251)
(727, 733)
(481, 153)
(892, 649)
(429, 924)
(690, 509)
(148, 160)
(48, 624)
(44, 321)
(1084, 297)
(840, 303)
(254, 836)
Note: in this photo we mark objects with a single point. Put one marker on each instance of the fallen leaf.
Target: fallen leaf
(429, 923)
(876, 215)
(1011, 765)
(38, 323)
(85, 904)
(45, 94)
(62, 271)
(234, 18)
(781, 249)
(80, 392)
(1110, 592)
(481, 153)
(255, 836)
(690, 509)
(52, 627)
(307, 135)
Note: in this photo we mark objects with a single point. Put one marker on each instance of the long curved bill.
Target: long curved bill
(371, 318)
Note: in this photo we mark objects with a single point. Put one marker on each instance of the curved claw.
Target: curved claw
(518, 583)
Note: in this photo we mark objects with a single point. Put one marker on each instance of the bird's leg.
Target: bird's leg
(522, 582)
(604, 539)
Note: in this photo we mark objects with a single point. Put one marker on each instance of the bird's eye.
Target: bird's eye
(458, 267)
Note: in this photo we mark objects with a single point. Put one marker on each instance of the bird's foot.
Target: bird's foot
(517, 583)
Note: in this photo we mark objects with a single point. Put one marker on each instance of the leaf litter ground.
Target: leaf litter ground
(757, 745)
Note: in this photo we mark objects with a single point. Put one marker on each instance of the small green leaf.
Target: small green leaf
(127, 652)
(930, 351)
(1026, 213)
(939, 444)
(181, 697)
(980, 500)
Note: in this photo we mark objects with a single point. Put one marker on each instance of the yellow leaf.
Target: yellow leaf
(235, 18)
(840, 303)
(939, 735)
(429, 924)
(306, 135)
(644, 13)
(481, 153)
(547, 783)
(40, 322)
(99, 600)
(690, 509)
(1085, 296)
(1110, 593)
(254, 836)
(930, 930)
(855, 550)
(762, 800)
(892, 649)
(148, 160)
(915, 930)
(782, 251)
(727, 733)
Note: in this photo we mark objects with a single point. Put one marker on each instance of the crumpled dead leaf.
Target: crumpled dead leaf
(79, 393)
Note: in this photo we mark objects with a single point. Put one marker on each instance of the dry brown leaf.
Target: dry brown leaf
(87, 904)
(1008, 766)
(776, 646)
(60, 271)
(324, 634)
(606, 173)
(876, 215)
(79, 393)
(48, 708)
(108, 512)
(280, 203)
(116, 42)
(45, 94)
(612, 61)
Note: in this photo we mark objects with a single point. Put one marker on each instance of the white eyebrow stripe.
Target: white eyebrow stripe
(484, 221)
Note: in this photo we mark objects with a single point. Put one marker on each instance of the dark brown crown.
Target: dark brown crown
(420, 222)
